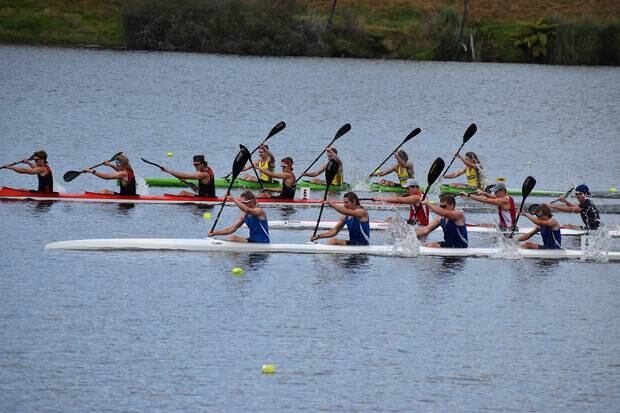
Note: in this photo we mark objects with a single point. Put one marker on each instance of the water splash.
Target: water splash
(507, 248)
(402, 237)
(595, 245)
(141, 187)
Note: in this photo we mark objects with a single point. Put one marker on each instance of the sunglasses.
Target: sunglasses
(443, 205)
(196, 163)
(246, 201)
(578, 193)
(36, 159)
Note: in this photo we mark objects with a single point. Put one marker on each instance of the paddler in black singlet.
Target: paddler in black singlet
(204, 175)
(122, 172)
(266, 160)
(288, 181)
(548, 227)
(37, 165)
(452, 222)
(586, 208)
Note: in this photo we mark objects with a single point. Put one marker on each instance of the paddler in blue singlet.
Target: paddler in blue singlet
(122, 171)
(204, 175)
(354, 216)
(452, 222)
(37, 165)
(506, 209)
(403, 168)
(253, 217)
(472, 169)
(287, 191)
(266, 160)
(548, 227)
(332, 155)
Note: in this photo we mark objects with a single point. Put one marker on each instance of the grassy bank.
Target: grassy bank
(573, 32)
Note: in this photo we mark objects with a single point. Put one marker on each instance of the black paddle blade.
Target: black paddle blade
(435, 171)
(344, 129)
(471, 130)
(528, 185)
(413, 133)
(112, 159)
(330, 172)
(276, 129)
(71, 175)
(240, 160)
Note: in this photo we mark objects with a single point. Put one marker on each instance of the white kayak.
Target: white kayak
(212, 244)
(382, 226)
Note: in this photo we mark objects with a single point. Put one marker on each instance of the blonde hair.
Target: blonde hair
(123, 160)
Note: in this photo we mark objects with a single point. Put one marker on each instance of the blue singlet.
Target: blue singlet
(454, 236)
(552, 240)
(259, 229)
(359, 232)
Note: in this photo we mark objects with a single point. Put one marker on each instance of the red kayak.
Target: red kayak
(16, 194)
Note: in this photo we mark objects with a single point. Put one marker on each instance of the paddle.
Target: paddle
(191, 185)
(275, 130)
(471, 130)
(330, 173)
(433, 174)
(344, 129)
(528, 185)
(71, 175)
(566, 195)
(240, 160)
(409, 137)
(15, 163)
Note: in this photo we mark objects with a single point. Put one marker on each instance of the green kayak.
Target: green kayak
(239, 183)
(446, 189)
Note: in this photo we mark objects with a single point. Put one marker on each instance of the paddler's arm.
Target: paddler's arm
(359, 213)
(107, 175)
(332, 232)
(279, 175)
(484, 198)
(316, 173)
(423, 231)
(386, 171)
(30, 170)
(259, 212)
(111, 165)
(228, 230)
(568, 207)
(185, 175)
(456, 173)
(551, 223)
(469, 163)
(455, 215)
(407, 199)
(525, 237)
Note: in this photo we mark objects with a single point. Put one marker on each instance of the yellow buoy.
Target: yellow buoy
(613, 189)
(500, 179)
(237, 271)
(170, 154)
(268, 369)
(206, 215)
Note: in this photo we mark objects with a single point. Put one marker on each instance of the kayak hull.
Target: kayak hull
(166, 182)
(211, 244)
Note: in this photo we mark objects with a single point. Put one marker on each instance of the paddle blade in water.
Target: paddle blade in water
(435, 171)
(331, 171)
(276, 129)
(471, 130)
(413, 133)
(344, 129)
(528, 185)
(71, 175)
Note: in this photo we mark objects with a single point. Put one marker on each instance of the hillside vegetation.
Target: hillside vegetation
(541, 31)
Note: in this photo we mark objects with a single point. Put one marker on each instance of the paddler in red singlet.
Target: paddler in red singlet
(266, 160)
(122, 172)
(204, 175)
(506, 209)
(37, 165)
(418, 213)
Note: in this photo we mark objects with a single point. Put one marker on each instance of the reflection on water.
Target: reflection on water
(125, 208)
(43, 206)
(287, 212)
(255, 261)
(353, 262)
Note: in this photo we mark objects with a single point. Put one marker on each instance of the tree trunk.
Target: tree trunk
(331, 15)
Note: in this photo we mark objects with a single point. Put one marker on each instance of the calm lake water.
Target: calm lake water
(178, 332)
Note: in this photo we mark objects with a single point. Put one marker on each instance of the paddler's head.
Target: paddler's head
(582, 192)
(447, 201)
(543, 212)
(499, 189)
(122, 161)
(262, 151)
(248, 199)
(472, 157)
(287, 164)
(39, 157)
(403, 155)
(199, 162)
(412, 186)
(351, 201)
(332, 153)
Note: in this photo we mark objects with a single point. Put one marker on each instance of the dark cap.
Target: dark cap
(200, 158)
(583, 188)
